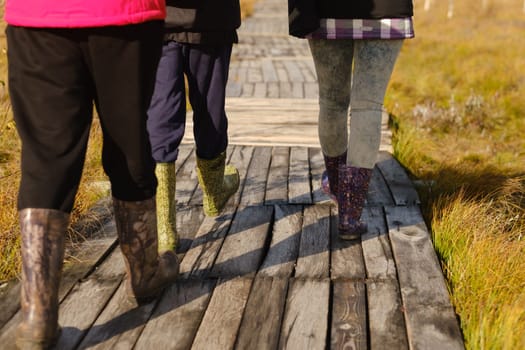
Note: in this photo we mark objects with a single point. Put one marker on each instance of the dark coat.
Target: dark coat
(304, 15)
(210, 22)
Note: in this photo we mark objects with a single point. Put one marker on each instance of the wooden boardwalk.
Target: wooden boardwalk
(270, 272)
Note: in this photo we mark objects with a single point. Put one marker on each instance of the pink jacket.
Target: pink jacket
(82, 13)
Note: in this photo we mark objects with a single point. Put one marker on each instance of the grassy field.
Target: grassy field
(458, 107)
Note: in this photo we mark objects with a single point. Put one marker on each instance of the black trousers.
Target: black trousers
(55, 76)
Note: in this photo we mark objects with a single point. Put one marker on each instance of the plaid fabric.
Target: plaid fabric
(388, 28)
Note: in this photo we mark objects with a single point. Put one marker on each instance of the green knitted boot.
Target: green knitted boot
(218, 183)
(166, 222)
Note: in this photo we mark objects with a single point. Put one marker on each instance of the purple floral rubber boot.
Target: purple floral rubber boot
(353, 188)
(330, 177)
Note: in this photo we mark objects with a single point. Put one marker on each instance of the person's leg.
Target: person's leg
(374, 62)
(124, 62)
(51, 94)
(166, 124)
(207, 72)
(333, 64)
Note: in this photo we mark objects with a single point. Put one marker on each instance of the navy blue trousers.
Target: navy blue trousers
(55, 76)
(206, 69)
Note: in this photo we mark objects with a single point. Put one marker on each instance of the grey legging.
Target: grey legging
(373, 62)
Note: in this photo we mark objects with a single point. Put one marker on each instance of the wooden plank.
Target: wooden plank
(188, 221)
(284, 247)
(346, 256)
(397, 180)
(294, 73)
(177, 317)
(431, 321)
(378, 191)
(305, 322)
(314, 249)
(297, 90)
(255, 184)
(186, 181)
(349, 320)
(317, 167)
(277, 185)
(87, 300)
(260, 90)
(385, 314)
(119, 325)
(377, 252)
(9, 300)
(285, 89)
(244, 246)
(219, 327)
(262, 318)
(299, 177)
(268, 71)
(185, 151)
(240, 158)
(199, 259)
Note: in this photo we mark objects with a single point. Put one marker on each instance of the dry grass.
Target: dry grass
(458, 107)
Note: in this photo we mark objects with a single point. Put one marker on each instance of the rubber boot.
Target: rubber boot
(218, 183)
(330, 177)
(43, 232)
(166, 207)
(351, 196)
(148, 273)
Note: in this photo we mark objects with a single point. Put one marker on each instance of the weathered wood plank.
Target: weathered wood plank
(431, 321)
(244, 246)
(9, 300)
(199, 259)
(377, 252)
(284, 247)
(349, 320)
(240, 158)
(220, 324)
(299, 191)
(305, 322)
(185, 151)
(186, 181)
(277, 185)
(88, 298)
(347, 256)
(262, 318)
(397, 180)
(314, 249)
(255, 184)
(268, 71)
(177, 317)
(378, 191)
(317, 167)
(188, 221)
(386, 321)
(119, 325)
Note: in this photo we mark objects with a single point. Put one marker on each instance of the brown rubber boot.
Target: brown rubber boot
(43, 232)
(148, 273)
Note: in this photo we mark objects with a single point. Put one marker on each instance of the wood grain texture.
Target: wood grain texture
(305, 322)
(255, 185)
(277, 183)
(399, 183)
(349, 319)
(220, 325)
(299, 191)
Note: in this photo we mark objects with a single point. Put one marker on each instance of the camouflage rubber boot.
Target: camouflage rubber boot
(43, 232)
(166, 207)
(218, 183)
(351, 196)
(148, 273)
(330, 177)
